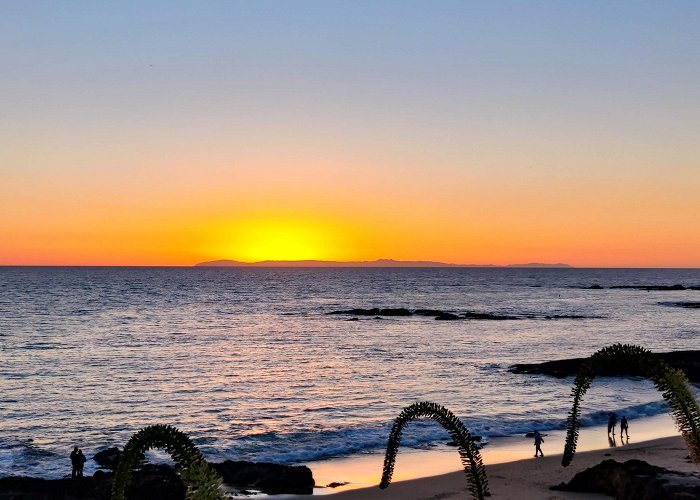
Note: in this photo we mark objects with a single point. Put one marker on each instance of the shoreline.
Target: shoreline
(532, 478)
(362, 472)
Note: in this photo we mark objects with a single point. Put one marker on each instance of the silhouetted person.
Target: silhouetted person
(538, 442)
(74, 462)
(81, 462)
(612, 420)
(624, 427)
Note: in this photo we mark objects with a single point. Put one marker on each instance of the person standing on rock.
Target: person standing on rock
(538, 443)
(81, 462)
(74, 462)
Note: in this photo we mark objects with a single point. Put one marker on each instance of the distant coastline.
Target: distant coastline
(371, 263)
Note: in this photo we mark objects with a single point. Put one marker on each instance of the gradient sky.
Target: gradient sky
(469, 132)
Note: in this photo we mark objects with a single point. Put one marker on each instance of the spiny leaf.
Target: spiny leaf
(632, 359)
(474, 469)
(201, 480)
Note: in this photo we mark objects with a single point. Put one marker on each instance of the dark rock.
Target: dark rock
(395, 312)
(650, 288)
(688, 361)
(108, 459)
(400, 311)
(428, 312)
(486, 316)
(634, 480)
(160, 481)
(152, 482)
(687, 305)
(269, 478)
(595, 287)
(358, 312)
(30, 488)
(155, 481)
(336, 484)
(445, 316)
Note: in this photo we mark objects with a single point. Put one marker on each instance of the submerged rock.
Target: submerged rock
(395, 312)
(447, 317)
(429, 312)
(358, 312)
(634, 480)
(651, 288)
(686, 305)
(497, 317)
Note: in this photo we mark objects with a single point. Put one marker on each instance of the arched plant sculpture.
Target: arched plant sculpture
(634, 360)
(468, 450)
(201, 480)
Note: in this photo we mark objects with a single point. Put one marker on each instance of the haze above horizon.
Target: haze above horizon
(482, 133)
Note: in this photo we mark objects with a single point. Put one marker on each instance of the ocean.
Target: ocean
(249, 362)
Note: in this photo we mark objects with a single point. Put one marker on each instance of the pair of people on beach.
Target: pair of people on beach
(78, 460)
(624, 426)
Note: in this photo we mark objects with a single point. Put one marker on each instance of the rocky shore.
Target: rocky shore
(634, 480)
(160, 481)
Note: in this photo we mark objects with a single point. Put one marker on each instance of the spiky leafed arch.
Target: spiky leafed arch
(201, 480)
(468, 450)
(628, 359)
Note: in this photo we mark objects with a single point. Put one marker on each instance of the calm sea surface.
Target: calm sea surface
(249, 363)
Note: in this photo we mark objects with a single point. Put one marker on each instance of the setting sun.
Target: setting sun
(253, 240)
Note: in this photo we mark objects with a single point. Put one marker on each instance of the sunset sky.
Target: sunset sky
(466, 132)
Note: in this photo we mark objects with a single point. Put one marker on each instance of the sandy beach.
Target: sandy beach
(511, 470)
(531, 478)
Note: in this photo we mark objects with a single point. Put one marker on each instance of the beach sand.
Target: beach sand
(531, 478)
(510, 474)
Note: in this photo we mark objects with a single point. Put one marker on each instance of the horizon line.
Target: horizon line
(462, 266)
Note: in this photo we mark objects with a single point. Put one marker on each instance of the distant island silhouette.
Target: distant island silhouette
(371, 263)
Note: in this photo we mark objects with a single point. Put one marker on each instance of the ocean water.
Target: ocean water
(250, 364)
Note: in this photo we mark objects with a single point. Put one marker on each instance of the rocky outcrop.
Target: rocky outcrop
(269, 478)
(439, 315)
(152, 481)
(160, 481)
(108, 459)
(634, 480)
(688, 361)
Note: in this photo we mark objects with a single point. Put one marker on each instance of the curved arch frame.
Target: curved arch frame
(201, 480)
(468, 450)
(635, 360)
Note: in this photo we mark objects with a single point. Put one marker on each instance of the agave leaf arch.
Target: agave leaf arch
(468, 450)
(626, 359)
(201, 480)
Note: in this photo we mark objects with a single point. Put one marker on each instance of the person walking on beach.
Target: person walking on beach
(74, 462)
(612, 420)
(538, 443)
(624, 427)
